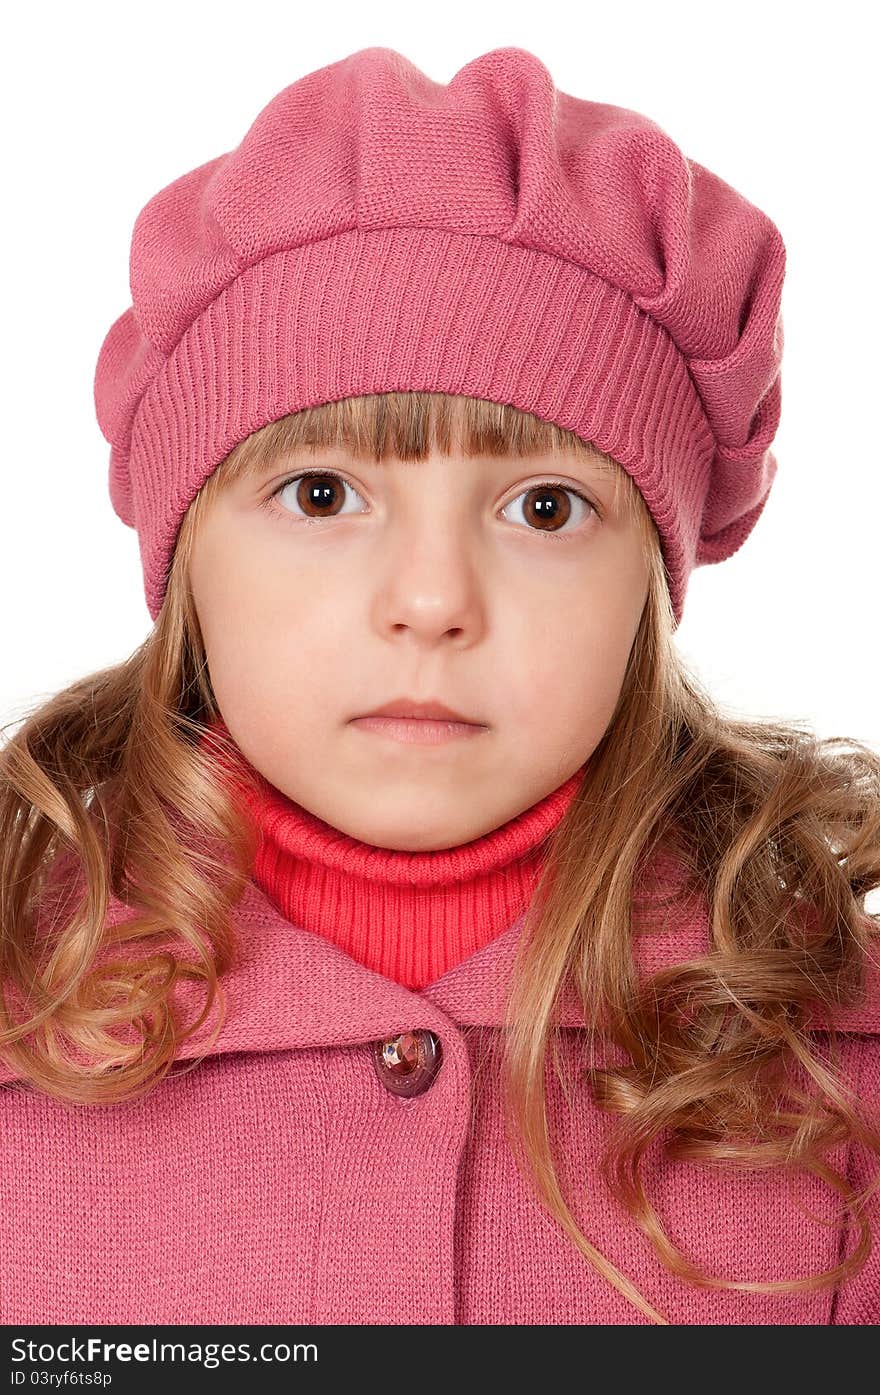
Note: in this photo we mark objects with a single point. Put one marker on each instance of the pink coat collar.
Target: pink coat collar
(293, 988)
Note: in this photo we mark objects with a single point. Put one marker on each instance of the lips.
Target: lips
(429, 711)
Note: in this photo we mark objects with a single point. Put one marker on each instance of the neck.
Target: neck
(408, 915)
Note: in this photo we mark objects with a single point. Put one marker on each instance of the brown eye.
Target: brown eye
(321, 493)
(318, 495)
(547, 508)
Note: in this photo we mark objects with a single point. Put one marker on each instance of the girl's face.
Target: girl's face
(435, 580)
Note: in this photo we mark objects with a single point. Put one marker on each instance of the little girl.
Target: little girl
(401, 935)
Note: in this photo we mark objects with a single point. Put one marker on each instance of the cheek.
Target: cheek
(272, 689)
(272, 648)
(249, 592)
(572, 677)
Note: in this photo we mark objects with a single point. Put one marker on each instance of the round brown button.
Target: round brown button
(407, 1064)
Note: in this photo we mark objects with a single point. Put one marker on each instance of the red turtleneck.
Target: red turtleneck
(408, 915)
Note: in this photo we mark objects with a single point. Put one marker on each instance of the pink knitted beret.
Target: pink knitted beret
(377, 231)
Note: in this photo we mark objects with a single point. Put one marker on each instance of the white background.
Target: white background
(104, 104)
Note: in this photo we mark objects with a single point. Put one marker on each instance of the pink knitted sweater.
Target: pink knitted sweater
(276, 1176)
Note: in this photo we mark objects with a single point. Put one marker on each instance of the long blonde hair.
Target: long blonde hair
(118, 781)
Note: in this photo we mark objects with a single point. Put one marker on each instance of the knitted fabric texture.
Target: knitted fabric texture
(494, 236)
(408, 915)
(276, 1179)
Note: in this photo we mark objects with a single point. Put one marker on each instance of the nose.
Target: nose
(432, 587)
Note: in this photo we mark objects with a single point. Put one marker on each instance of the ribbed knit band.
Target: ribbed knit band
(408, 915)
(460, 313)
